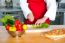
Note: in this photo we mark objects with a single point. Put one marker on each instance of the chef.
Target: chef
(38, 11)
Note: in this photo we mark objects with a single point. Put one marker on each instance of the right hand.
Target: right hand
(30, 17)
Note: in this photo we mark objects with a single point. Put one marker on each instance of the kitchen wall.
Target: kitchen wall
(2, 2)
(63, 1)
(16, 4)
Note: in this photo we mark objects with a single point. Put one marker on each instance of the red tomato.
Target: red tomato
(19, 29)
(17, 21)
(7, 27)
(18, 25)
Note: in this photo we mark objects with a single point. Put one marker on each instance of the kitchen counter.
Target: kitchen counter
(3, 9)
(30, 36)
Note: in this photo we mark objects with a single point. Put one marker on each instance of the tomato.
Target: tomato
(19, 27)
(7, 27)
(17, 21)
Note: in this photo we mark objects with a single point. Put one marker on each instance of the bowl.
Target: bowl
(16, 33)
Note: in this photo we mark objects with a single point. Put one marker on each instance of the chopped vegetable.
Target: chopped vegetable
(44, 25)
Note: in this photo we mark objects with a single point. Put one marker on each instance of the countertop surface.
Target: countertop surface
(29, 37)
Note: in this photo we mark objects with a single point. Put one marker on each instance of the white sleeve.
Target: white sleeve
(51, 9)
(24, 7)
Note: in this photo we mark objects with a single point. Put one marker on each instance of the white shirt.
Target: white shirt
(51, 8)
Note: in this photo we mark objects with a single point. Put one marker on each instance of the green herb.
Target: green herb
(44, 25)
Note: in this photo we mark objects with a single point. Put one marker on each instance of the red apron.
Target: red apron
(38, 8)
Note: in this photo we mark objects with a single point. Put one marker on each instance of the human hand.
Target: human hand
(40, 21)
(30, 17)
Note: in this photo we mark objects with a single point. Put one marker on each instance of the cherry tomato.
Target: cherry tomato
(7, 27)
(19, 27)
(17, 21)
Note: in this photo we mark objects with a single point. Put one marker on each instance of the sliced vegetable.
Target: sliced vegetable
(44, 25)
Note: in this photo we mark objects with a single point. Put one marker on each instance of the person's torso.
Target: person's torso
(38, 8)
(35, 1)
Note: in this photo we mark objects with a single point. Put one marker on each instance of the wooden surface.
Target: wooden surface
(33, 37)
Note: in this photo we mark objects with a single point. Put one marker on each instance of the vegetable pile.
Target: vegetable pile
(12, 24)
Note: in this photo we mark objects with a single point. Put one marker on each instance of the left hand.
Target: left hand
(40, 21)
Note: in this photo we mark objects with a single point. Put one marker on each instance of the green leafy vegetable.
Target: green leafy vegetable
(44, 25)
(7, 19)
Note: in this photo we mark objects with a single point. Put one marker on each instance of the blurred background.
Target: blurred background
(12, 7)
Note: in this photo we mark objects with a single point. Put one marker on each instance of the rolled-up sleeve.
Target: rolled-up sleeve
(24, 7)
(51, 9)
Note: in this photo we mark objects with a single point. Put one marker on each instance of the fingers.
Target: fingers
(39, 22)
